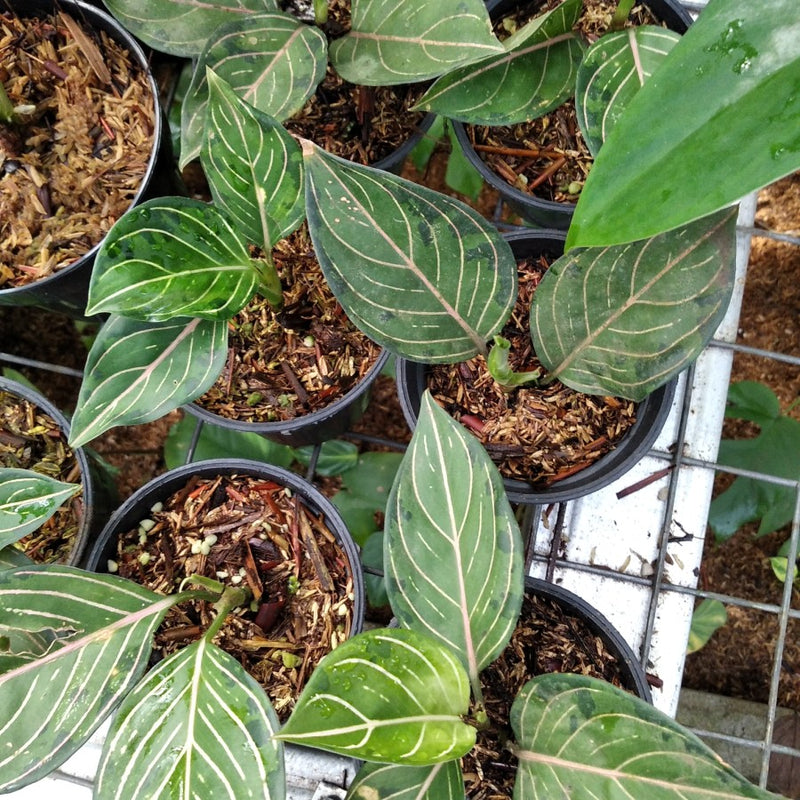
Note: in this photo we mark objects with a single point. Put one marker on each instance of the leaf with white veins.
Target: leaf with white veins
(197, 726)
(418, 272)
(398, 782)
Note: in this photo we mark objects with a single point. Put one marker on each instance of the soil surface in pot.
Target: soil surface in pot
(547, 157)
(299, 359)
(546, 639)
(364, 124)
(249, 532)
(535, 434)
(31, 439)
(75, 160)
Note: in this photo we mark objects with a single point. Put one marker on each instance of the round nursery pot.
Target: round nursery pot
(313, 428)
(66, 288)
(651, 413)
(89, 509)
(539, 211)
(262, 516)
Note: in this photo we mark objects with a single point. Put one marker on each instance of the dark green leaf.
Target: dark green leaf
(404, 41)
(460, 174)
(253, 166)
(418, 272)
(583, 738)
(210, 725)
(173, 257)
(613, 70)
(725, 105)
(11, 558)
(386, 695)
(27, 500)
(335, 457)
(623, 320)
(372, 556)
(453, 550)
(138, 371)
(87, 639)
(399, 782)
(753, 401)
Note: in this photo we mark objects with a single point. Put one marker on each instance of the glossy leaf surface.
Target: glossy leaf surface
(404, 41)
(27, 500)
(453, 551)
(273, 61)
(197, 726)
(535, 73)
(583, 738)
(387, 695)
(138, 371)
(613, 70)
(623, 320)
(181, 28)
(172, 257)
(77, 643)
(418, 272)
(253, 167)
(725, 105)
(398, 782)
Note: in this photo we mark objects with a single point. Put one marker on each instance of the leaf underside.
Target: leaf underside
(623, 320)
(418, 272)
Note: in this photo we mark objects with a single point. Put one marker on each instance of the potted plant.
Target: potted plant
(390, 695)
(81, 140)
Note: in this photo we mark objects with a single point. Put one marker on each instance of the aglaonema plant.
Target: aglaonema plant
(275, 61)
(75, 647)
(173, 271)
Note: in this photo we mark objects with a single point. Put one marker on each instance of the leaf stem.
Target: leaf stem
(232, 597)
(500, 368)
(270, 287)
(621, 15)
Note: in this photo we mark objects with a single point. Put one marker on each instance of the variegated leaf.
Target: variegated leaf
(613, 70)
(253, 167)
(387, 695)
(173, 257)
(138, 371)
(452, 546)
(398, 782)
(81, 642)
(583, 738)
(27, 500)
(197, 726)
(272, 61)
(418, 272)
(535, 73)
(404, 41)
(623, 320)
(181, 27)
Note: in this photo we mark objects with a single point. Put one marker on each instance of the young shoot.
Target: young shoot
(320, 12)
(621, 15)
(500, 369)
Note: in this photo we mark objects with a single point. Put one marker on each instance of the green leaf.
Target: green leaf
(724, 103)
(218, 442)
(453, 550)
(181, 28)
(272, 61)
(172, 257)
(583, 738)
(753, 401)
(138, 371)
(87, 641)
(709, 616)
(27, 500)
(404, 41)
(623, 320)
(613, 70)
(210, 725)
(335, 457)
(460, 174)
(780, 565)
(386, 695)
(372, 556)
(253, 166)
(418, 272)
(399, 782)
(11, 558)
(535, 74)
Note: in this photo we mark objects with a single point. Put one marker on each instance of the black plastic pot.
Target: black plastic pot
(394, 161)
(633, 676)
(66, 290)
(534, 210)
(651, 413)
(98, 496)
(314, 428)
(138, 505)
